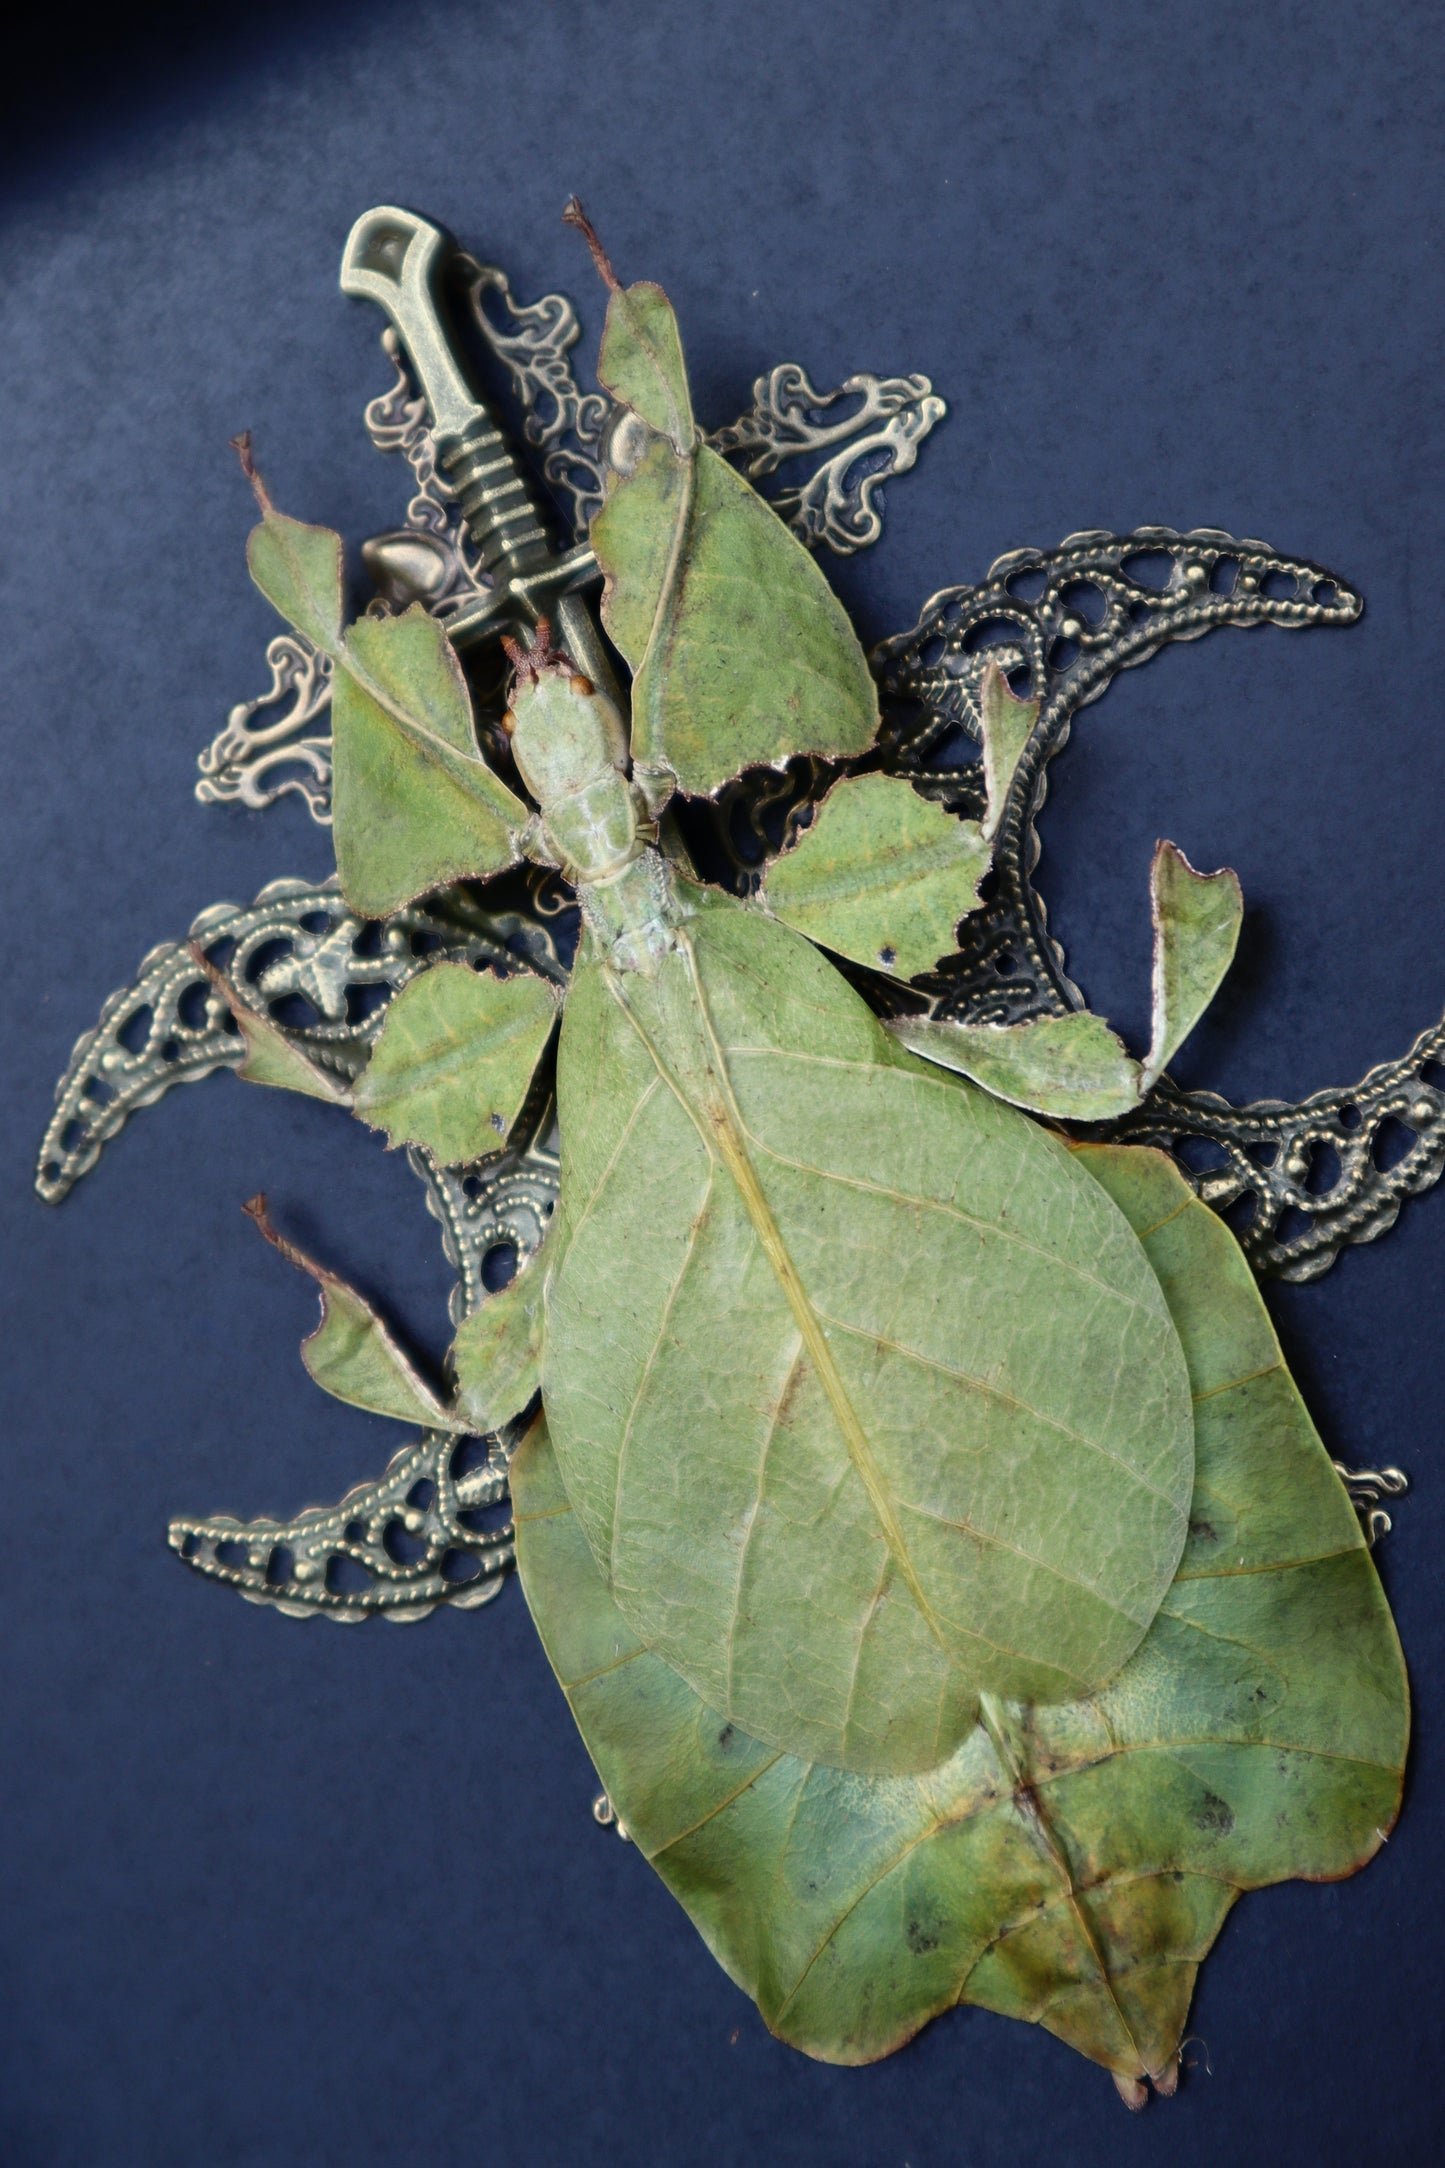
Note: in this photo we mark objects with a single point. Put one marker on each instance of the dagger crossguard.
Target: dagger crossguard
(398, 260)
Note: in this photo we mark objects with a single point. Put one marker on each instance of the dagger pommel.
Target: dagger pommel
(398, 260)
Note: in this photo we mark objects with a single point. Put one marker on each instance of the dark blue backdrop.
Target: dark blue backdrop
(276, 1890)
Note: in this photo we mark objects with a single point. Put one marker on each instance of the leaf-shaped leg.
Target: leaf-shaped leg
(353, 1354)
(1074, 1067)
(741, 652)
(881, 875)
(415, 805)
(454, 1065)
(497, 1353)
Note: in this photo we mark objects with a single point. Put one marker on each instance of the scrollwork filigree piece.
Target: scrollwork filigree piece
(261, 756)
(879, 437)
(563, 422)
(1366, 1487)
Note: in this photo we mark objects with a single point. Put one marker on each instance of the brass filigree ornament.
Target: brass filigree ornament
(487, 551)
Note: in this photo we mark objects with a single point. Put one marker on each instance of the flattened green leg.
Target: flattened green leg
(742, 654)
(1074, 1067)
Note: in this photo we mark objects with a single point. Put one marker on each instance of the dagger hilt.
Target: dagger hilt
(398, 260)
(501, 516)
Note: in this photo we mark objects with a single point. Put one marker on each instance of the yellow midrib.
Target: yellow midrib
(718, 1120)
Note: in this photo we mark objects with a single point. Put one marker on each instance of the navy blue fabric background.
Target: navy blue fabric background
(273, 1890)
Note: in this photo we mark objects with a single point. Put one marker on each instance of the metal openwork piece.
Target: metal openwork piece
(482, 550)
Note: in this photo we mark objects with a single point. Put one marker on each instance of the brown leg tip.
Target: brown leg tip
(574, 215)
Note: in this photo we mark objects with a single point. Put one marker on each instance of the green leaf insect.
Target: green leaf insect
(939, 1562)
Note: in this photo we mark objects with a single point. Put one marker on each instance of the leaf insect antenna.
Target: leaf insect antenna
(574, 215)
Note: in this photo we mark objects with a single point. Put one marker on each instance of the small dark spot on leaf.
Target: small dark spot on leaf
(920, 1941)
(1204, 1531)
(497, 1123)
(1215, 1814)
(726, 1736)
(888, 957)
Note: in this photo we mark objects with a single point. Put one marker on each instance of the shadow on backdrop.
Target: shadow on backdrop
(109, 67)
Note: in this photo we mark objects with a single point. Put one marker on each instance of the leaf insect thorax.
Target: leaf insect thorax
(570, 743)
